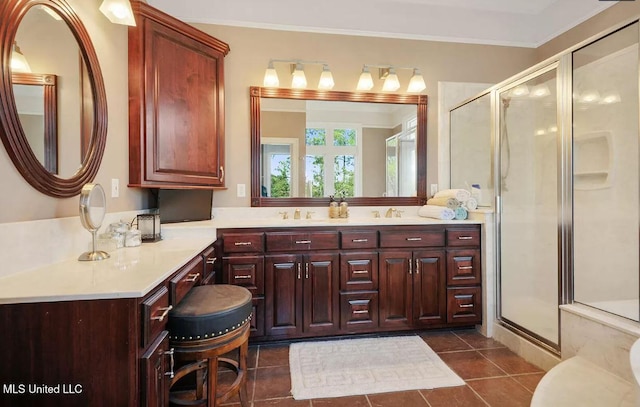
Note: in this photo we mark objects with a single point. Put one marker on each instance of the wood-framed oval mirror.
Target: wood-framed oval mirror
(307, 145)
(51, 33)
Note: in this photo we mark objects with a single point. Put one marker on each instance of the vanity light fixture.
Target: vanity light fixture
(271, 77)
(416, 83)
(298, 77)
(18, 61)
(326, 79)
(520, 90)
(610, 98)
(118, 12)
(391, 82)
(540, 91)
(366, 81)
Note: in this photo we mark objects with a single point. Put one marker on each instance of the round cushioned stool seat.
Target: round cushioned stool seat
(209, 311)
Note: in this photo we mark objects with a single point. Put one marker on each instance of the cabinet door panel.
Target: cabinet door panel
(395, 289)
(283, 313)
(429, 288)
(153, 366)
(321, 304)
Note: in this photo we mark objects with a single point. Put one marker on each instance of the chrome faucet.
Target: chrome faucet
(296, 214)
(390, 212)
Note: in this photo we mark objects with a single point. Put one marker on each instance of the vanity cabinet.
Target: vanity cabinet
(412, 288)
(99, 352)
(322, 281)
(176, 103)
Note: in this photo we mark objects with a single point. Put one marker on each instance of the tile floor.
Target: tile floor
(494, 377)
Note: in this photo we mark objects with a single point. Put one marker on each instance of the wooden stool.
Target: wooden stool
(210, 321)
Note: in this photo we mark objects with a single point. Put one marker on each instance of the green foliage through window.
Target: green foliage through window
(315, 137)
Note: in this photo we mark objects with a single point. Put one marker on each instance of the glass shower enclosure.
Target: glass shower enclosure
(565, 163)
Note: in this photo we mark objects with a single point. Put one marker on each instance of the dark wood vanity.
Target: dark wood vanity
(111, 352)
(322, 281)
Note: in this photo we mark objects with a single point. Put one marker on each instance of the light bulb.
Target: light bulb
(298, 80)
(520, 90)
(416, 83)
(391, 82)
(540, 91)
(118, 11)
(326, 79)
(18, 61)
(366, 81)
(271, 77)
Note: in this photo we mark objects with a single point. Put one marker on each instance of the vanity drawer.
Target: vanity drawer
(463, 237)
(246, 271)
(155, 313)
(463, 267)
(358, 311)
(288, 241)
(243, 242)
(189, 276)
(464, 305)
(209, 258)
(363, 239)
(418, 238)
(358, 271)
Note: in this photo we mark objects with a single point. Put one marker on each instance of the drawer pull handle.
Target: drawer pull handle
(242, 244)
(243, 277)
(466, 306)
(165, 312)
(414, 239)
(172, 364)
(303, 241)
(364, 311)
(360, 240)
(360, 271)
(211, 260)
(465, 267)
(192, 277)
(465, 237)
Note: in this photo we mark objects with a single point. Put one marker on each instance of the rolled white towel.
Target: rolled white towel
(436, 212)
(460, 194)
(451, 203)
(471, 204)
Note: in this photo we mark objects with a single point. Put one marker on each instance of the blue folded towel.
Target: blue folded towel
(461, 213)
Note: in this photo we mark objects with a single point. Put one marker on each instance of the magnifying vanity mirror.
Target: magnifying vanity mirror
(53, 120)
(307, 145)
(93, 208)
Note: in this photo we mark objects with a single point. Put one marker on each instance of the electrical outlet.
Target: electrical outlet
(434, 189)
(241, 190)
(115, 187)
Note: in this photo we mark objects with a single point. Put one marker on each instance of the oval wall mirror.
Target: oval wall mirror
(54, 135)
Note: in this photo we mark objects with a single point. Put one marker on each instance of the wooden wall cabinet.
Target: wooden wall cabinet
(176, 103)
(323, 281)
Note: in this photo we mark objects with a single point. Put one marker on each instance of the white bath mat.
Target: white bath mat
(365, 366)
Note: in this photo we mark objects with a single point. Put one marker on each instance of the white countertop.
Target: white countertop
(130, 272)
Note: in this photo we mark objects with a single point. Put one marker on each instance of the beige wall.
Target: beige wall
(251, 50)
(18, 200)
(614, 15)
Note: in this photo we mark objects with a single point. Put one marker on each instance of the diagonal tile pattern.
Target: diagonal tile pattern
(494, 376)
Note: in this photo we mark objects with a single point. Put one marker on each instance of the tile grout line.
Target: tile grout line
(366, 396)
(424, 398)
(478, 394)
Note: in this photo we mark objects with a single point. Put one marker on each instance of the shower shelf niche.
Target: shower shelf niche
(593, 160)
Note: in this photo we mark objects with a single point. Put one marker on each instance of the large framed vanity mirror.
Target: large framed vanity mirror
(53, 113)
(307, 145)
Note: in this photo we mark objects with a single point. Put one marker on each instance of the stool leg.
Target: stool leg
(242, 362)
(200, 378)
(213, 381)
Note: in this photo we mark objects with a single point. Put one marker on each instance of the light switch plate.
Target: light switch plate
(115, 187)
(434, 189)
(241, 190)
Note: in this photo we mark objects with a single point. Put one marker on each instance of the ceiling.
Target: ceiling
(525, 23)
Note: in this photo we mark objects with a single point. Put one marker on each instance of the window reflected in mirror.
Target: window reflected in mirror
(315, 149)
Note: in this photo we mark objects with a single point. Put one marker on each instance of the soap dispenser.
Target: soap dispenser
(334, 211)
(344, 208)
